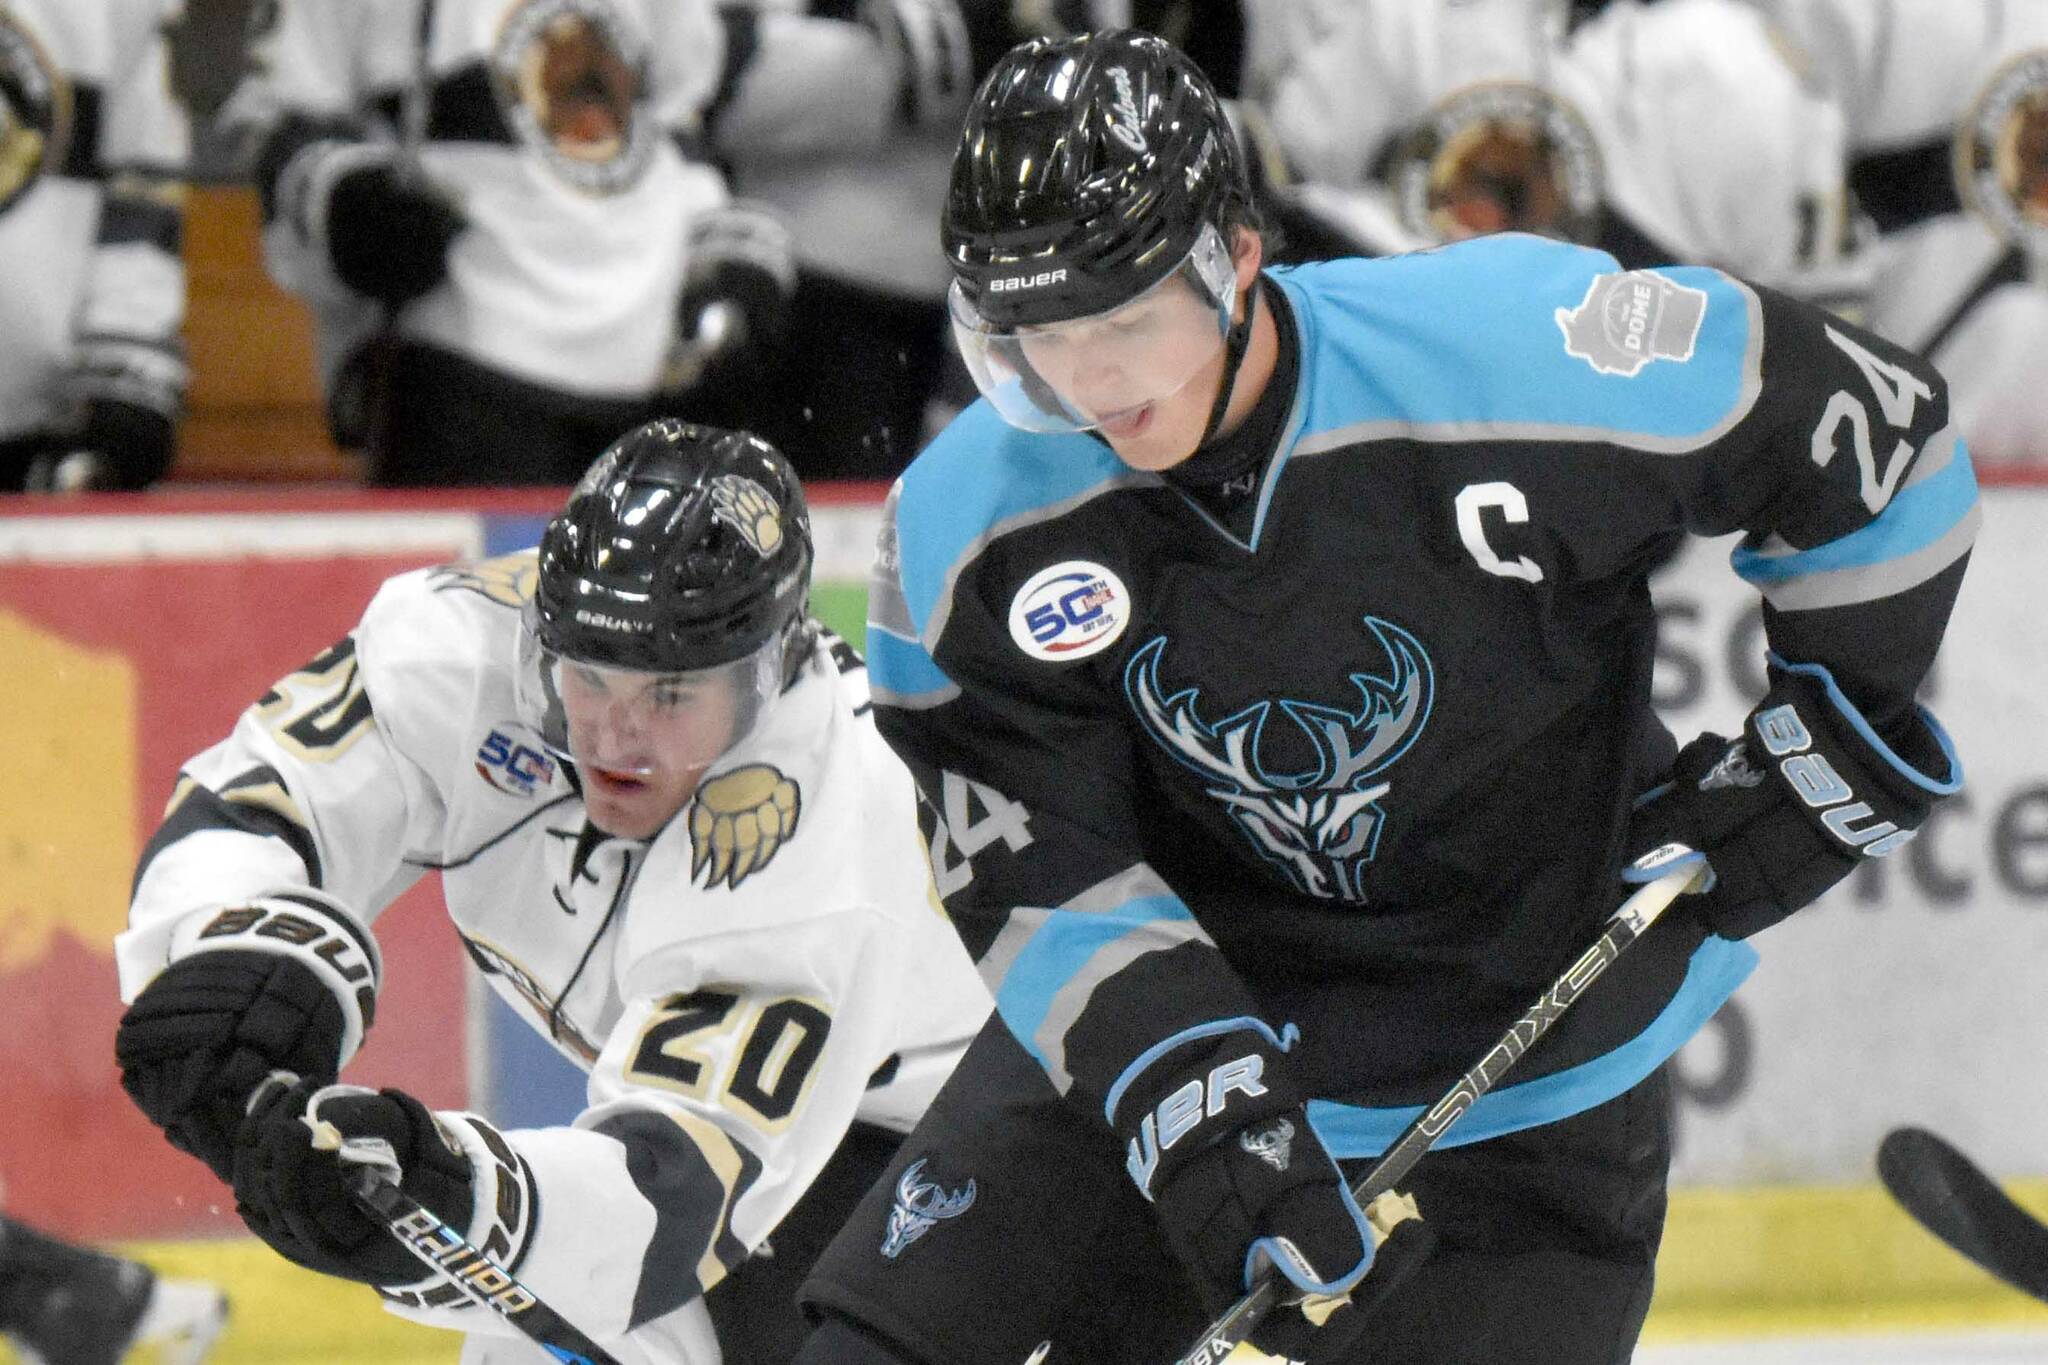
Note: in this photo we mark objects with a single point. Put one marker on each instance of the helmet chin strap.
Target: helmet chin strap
(1234, 343)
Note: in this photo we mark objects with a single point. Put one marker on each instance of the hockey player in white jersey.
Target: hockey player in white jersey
(671, 838)
(93, 153)
(509, 218)
(1660, 133)
(1947, 102)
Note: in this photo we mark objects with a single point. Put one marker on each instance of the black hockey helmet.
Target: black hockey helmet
(1086, 172)
(682, 548)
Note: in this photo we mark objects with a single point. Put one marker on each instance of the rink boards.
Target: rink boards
(132, 631)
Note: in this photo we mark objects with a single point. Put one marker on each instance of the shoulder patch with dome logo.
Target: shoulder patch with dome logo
(1631, 318)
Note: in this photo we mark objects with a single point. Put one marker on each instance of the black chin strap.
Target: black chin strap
(1234, 343)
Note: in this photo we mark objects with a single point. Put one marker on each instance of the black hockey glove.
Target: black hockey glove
(1221, 1145)
(294, 1194)
(1317, 1329)
(1787, 809)
(737, 285)
(280, 983)
(122, 445)
(388, 235)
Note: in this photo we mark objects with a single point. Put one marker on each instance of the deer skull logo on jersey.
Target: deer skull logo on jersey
(1320, 825)
(919, 1206)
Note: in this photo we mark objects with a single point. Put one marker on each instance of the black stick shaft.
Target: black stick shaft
(1623, 928)
(442, 1248)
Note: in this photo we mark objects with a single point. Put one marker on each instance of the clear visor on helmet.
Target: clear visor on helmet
(1094, 371)
(636, 723)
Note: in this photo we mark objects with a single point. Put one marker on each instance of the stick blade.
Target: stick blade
(1964, 1207)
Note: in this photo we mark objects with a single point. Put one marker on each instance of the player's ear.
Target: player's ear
(1247, 254)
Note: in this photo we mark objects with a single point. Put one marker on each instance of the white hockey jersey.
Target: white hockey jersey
(93, 157)
(1676, 117)
(573, 136)
(768, 968)
(1952, 101)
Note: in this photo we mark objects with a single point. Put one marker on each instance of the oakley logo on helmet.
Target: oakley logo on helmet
(1005, 284)
(1124, 127)
(750, 510)
(587, 617)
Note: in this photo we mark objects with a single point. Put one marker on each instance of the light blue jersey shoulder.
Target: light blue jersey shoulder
(1523, 338)
(980, 478)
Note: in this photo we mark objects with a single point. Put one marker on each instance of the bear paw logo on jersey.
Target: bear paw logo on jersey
(1069, 611)
(514, 768)
(2001, 152)
(566, 81)
(35, 112)
(1321, 825)
(919, 1206)
(1499, 157)
(739, 821)
(1631, 318)
(750, 510)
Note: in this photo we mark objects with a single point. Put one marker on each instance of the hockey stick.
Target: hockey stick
(1622, 928)
(1952, 1197)
(422, 1232)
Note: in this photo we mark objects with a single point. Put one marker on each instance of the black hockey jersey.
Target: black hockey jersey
(1367, 769)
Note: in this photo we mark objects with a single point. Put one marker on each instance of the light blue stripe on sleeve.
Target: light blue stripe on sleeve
(978, 477)
(1058, 952)
(1920, 515)
(1718, 967)
(901, 667)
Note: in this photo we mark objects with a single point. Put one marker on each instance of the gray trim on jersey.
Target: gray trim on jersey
(1072, 999)
(889, 612)
(1133, 883)
(888, 607)
(913, 701)
(1873, 582)
(1017, 931)
(942, 608)
(1453, 433)
(1935, 455)
(1025, 921)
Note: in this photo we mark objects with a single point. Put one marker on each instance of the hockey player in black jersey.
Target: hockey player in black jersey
(1273, 648)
